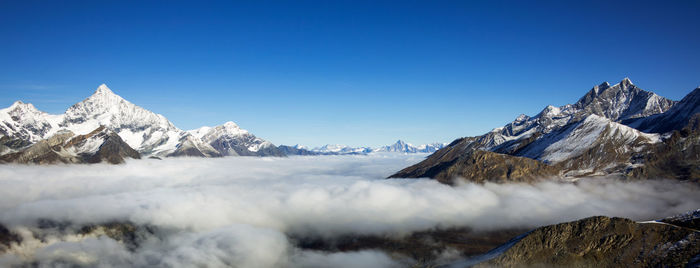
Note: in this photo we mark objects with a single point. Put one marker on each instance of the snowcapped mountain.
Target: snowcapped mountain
(403, 147)
(24, 121)
(619, 103)
(341, 149)
(604, 132)
(674, 119)
(101, 144)
(149, 133)
(231, 140)
(296, 150)
(145, 131)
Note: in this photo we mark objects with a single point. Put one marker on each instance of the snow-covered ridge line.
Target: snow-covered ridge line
(398, 147)
(149, 133)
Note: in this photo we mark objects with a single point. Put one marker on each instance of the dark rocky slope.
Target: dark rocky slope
(478, 166)
(603, 242)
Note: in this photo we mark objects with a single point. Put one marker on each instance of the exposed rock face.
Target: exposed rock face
(46, 151)
(424, 247)
(100, 145)
(112, 148)
(588, 138)
(690, 219)
(231, 140)
(674, 119)
(621, 101)
(677, 157)
(191, 146)
(602, 242)
(482, 166)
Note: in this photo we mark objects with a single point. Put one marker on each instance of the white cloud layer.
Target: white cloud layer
(236, 211)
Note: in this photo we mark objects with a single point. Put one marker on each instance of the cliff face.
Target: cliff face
(678, 157)
(603, 242)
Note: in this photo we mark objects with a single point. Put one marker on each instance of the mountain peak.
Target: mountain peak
(626, 82)
(23, 106)
(230, 124)
(16, 104)
(104, 90)
(104, 95)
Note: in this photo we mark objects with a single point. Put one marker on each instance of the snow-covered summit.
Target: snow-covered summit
(618, 103)
(403, 147)
(341, 149)
(149, 133)
(109, 109)
(230, 139)
(24, 121)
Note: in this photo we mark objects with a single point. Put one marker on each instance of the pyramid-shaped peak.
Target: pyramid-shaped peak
(103, 89)
(230, 124)
(626, 82)
(22, 105)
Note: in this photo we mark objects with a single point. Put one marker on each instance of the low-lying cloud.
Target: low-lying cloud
(239, 211)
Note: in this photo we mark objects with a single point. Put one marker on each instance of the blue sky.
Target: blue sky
(350, 72)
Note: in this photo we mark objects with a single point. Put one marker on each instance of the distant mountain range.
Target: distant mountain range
(618, 130)
(106, 127)
(338, 149)
(111, 129)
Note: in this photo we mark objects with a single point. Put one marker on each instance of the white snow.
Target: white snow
(143, 130)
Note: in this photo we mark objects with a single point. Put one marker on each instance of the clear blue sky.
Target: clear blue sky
(351, 72)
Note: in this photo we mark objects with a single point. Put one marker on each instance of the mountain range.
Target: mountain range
(338, 149)
(619, 130)
(112, 129)
(106, 127)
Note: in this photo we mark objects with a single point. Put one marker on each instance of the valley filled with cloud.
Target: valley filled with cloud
(247, 210)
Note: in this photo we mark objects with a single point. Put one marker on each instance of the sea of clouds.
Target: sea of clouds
(240, 211)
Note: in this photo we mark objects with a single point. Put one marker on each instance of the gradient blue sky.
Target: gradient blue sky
(350, 72)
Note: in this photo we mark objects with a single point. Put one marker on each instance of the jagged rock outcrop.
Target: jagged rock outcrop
(483, 166)
(231, 140)
(674, 119)
(596, 136)
(100, 145)
(603, 242)
(192, 146)
(112, 149)
(678, 157)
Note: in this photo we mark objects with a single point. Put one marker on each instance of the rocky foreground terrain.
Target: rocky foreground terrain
(591, 242)
(603, 242)
(619, 131)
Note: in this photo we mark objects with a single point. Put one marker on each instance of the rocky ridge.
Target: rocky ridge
(596, 136)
